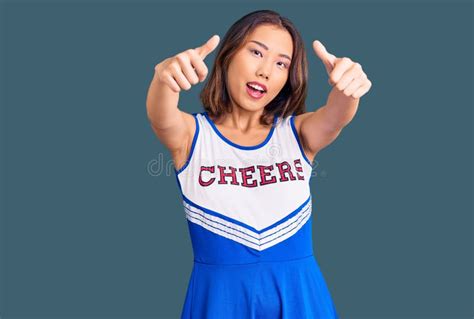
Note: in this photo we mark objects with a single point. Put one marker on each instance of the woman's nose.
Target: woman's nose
(264, 69)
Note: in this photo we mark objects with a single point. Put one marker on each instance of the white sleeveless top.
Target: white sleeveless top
(246, 193)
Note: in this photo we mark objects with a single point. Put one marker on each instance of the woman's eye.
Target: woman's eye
(256, 51)
(284, 64)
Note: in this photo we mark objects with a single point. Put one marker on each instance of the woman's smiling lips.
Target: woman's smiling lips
(259, 84)
(256, 93)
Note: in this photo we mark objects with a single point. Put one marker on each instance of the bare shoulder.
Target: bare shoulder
(190, 123)
(298, 120)
(180, 155)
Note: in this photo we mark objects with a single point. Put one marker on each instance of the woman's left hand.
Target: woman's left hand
(345, 75)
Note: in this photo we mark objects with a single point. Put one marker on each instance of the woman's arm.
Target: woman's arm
(349, 83)
(172, 126)
(317, 129)
(167, 121)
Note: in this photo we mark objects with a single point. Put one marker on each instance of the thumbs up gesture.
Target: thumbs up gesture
(187, 67)
(345, 75)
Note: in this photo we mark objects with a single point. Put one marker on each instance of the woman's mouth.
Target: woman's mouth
(254, 92)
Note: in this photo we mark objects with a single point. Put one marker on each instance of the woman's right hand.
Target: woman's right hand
(186, 68)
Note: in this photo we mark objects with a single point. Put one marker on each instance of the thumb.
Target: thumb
(208, 47)
(327, 58)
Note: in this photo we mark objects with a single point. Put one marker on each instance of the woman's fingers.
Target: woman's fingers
(184, 60)
(179, 77)
(187, 67)
(199, 66)
(171, 82)
(208, 47)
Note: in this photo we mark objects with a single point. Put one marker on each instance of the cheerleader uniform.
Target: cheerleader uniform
(249, 215)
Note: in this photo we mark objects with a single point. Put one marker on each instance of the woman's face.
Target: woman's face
(264, 58)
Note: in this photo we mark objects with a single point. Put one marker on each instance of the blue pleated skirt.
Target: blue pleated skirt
(290, 289)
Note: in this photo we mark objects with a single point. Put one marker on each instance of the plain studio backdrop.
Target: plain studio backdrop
(92, 224)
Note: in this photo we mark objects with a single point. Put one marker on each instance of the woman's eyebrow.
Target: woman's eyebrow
(266, 48)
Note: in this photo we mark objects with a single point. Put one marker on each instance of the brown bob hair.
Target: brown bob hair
(215, 96)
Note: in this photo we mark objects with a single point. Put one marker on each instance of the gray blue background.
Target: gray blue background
(92, 224)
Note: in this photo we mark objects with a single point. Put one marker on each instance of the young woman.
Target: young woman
(243, 167)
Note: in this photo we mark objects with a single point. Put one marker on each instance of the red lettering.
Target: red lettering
(246, 177)
(263, 177)
(263, 173)
(207, 169)
(285, 170)
(299, 169)
(223, 175)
